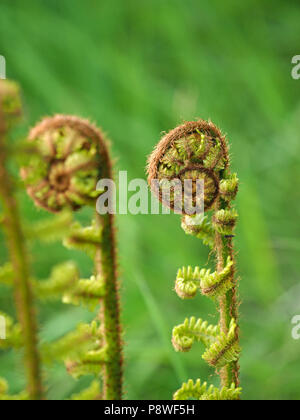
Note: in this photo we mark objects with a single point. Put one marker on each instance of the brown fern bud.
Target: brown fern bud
(71, 157)
(193, 151)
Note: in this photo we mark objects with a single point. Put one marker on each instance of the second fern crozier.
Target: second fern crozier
(72, 155)
(198, 151)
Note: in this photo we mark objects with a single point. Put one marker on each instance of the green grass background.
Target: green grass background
(137, 68)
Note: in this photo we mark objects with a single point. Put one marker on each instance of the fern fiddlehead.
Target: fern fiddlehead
(198, 151)
(10, 110)
(72, 156)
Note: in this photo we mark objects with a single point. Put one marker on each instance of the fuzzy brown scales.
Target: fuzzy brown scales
(186, 165)
(229, 304)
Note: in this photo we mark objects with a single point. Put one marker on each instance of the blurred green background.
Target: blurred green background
(137, 68)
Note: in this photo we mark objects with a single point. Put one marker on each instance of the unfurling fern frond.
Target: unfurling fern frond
(192, 330)
(61, 166)
(200, 227)
(229, 187)
(92, 393)
(217, 283)
(198, 151)
(86, 292)
(73, 344)
(85, 239)
(187, 282)
(90, 363)
(198, 391)
(224, 350)
(225, 221)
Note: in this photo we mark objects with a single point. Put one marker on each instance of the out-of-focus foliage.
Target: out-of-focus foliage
(138, 68)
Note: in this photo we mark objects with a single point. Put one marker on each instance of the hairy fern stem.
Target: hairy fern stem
(9, 95)
(228, 308)
(106, 267)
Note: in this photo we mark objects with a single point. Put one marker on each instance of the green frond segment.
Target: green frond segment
(90, 363)
(184, 335)
(229, 187)
(92, 393)
(200, 227)
(4, 396)
(213, 285)
(225, 221)
(12, 333)
(74, 344)
(86, 292)
(225, 394)
(197, 391)
(51, 229)
(213, 158)
(190, 390)
(63, 277)
(217, 284)
(86, 239)
(7, 274)
(225, 349)
(187, 282)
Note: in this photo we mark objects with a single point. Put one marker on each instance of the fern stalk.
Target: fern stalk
(106, 267)
(9, 109)
(228, 304)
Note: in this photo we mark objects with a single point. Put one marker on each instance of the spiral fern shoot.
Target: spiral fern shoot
(71, 157)
(198, 151)
(192, 330)
(189, 281)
